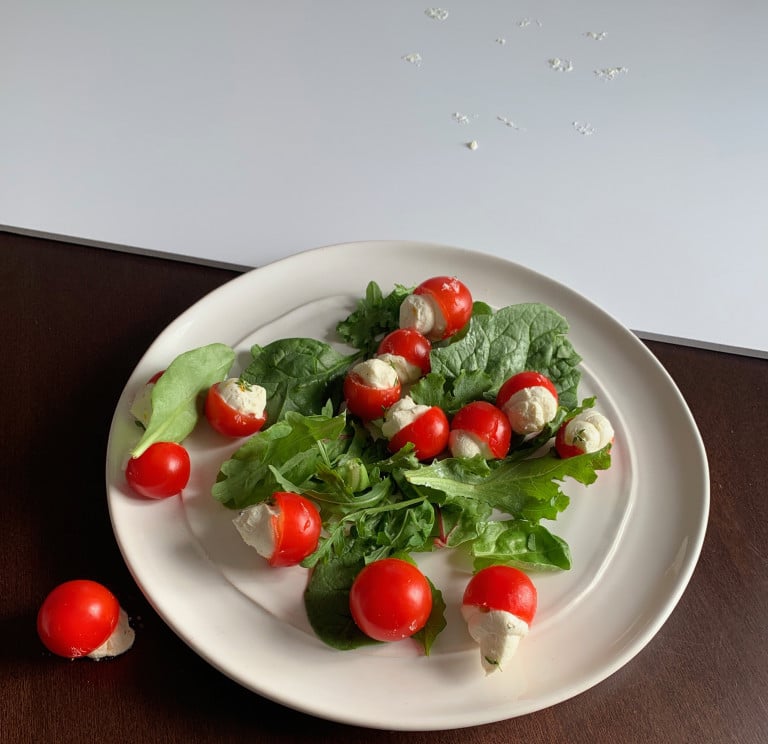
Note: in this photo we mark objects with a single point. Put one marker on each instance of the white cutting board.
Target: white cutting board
(621, 146)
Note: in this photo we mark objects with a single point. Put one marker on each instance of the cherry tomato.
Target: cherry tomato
(368, 402)
(503, 588)
(77, 617)
(452, 297)
(428, 433)
(588, 431)
(161, 470)
(487, 422)
(296, 529)
(228, 420)
(408, 343)
(390, 599)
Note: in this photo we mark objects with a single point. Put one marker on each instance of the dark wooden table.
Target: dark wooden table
(75, 320)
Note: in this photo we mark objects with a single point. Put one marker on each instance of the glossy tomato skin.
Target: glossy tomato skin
(408, 343)
(162, 470)
(524, 380)
(77, 617)
(228, 420)
(296, 528)
(368, 402)
(390, 599)
(564, 449)
(428, 433)
(487, 422)
(503, 588)
(452, 297)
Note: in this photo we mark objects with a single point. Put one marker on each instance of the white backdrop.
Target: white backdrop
(621, 146)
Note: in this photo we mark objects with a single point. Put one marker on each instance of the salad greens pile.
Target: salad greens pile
(375, 504)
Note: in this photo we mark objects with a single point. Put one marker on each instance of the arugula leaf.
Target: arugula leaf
(175, 395)
(527, 336)
(297, 374)
(374, 316)
(527, 488)
(521, 543)
(289, 450)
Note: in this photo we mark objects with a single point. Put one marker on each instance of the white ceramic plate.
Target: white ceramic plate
(635, 535)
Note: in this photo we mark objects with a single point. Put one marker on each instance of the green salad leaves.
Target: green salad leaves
(375, 504)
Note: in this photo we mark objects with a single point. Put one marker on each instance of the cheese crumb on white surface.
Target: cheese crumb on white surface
(436, 14)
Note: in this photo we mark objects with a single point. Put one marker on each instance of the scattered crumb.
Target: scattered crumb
(611, 73)
(585, 129)
(414, 58)
(460, 118)
(501, 40)
(509, 123)
(596, 35)
(561, 65)
(436, 14)
(472, 145)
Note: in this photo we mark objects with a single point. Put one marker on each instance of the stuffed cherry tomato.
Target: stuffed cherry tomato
(408, 352)
(236, 408)
(426, 427)
(530, 400)
(499, 604)
(370, 387)
(480, 428)
(439, 307)
(161, 470)
(390, 599)
(284, 531)
(588, 431)
(83, 618)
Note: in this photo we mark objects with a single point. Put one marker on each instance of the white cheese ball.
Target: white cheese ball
(467, 444)
(529, 410)
(255, 527)
(498, 632)
(400, 414)
(590, 431)
(376, 373)
(119, 642)
(406, 372)
(244, 397)
(422, 313)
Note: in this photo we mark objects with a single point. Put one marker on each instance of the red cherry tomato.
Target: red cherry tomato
(452, 297)
(503, 588)
(77, 617)
(408, 343)
(523, 380)
(390, 599)
(296, 529)
(161, 470)
(368, 402)
(428, 433)
(564, 449)
(487, 422)
(228, 420)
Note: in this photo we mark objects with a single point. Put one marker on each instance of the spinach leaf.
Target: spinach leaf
(495, 346)
(297, 373)
(521, 543)
(175, 395)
